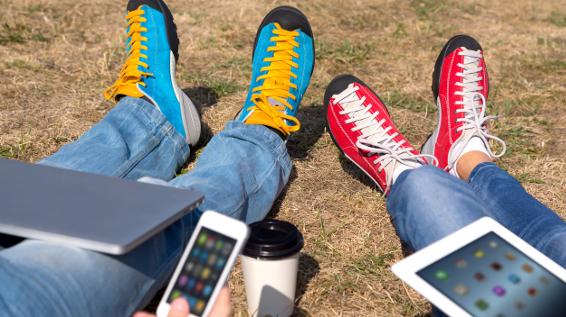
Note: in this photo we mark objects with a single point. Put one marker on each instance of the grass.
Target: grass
(558, 18)
(55, 60)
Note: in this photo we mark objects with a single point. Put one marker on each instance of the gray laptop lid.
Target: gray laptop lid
(99, 213)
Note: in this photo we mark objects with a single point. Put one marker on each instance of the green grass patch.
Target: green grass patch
(398, 99)
(346, 51)
(221, 87)
(550, 65)
(525, 107)
(19, 34)
(6, 152)
(558, 19)
(400, 31)
(13, 34)
(427, 8)
(528, 178)
(371, 264)
(518, 141)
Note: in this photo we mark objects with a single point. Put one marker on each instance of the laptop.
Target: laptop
(99, 213)
(484, 269)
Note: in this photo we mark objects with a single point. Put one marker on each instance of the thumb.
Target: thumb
(179, 308)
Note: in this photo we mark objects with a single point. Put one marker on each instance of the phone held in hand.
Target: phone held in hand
(206, 263)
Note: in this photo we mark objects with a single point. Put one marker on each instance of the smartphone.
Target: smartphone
(206, 263)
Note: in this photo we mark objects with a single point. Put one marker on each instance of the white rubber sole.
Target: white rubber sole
(191, 119)
(189, 113)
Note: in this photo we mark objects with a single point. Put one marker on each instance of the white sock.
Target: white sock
(400, 168)
(475, 144)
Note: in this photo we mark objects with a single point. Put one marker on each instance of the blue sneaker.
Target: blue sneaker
(283, 61)
(149, 70)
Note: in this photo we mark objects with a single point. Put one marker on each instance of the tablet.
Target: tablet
(484, 269)
(95, 212)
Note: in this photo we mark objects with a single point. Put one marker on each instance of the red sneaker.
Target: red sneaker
(460, 86)
(362, 129)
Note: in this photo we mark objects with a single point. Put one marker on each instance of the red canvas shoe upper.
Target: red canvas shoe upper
(361, 127)
(461, 101)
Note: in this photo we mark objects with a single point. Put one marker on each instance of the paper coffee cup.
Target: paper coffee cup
(270, 262)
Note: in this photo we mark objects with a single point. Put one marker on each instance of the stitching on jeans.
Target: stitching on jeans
(478, 169)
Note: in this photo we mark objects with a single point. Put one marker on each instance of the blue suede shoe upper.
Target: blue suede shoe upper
(161, 86)
(303, 72)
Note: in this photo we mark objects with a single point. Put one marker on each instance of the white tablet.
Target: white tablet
(484, 269)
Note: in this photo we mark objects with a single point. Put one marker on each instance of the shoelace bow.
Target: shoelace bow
(277, 81)
(474, 102)
(375, 138)
(130, 75)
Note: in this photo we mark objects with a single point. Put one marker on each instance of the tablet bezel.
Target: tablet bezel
(407, 268)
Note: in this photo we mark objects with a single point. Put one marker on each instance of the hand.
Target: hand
(180, 307)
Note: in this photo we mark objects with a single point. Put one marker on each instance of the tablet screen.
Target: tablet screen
(490, 277)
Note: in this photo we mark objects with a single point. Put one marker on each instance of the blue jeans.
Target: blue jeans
(241, 172)
(427, 204)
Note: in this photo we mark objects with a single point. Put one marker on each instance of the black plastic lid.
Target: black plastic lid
(273, 239)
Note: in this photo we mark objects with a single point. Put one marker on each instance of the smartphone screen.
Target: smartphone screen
(202, 270)
(490, 277)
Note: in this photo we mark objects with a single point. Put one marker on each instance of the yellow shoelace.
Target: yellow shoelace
(130, 75)
(276, 84)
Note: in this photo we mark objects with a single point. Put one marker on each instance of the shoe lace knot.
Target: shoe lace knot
(474, 103)
(376, 137)
(271, 96)
(131, 73)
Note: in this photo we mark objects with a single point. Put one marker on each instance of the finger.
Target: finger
(179, 308)
(222, 307)
(143, 314)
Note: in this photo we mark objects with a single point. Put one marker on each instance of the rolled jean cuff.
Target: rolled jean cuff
(263, 137)
(152, 117)
(482, 170)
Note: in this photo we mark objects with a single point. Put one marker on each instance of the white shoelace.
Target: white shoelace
(474, 104)
(375, 139)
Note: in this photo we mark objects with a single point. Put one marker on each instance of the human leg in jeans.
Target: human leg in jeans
(426, 203)
(241, 172)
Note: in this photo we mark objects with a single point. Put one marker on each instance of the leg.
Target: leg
(243, 170)
(507, 201)
(427, 204)
(132, 141)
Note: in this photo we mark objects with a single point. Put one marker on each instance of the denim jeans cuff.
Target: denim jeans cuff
(267, 138)
(481, 169)
(152, 117)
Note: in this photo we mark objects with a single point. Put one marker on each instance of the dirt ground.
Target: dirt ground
(56, 57)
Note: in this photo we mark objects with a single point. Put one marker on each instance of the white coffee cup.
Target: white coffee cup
(270, 262)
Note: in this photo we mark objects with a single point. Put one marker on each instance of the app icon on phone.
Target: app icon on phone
(460, 289)
(481, 304)
(514, 278)
(480, 277)
(211, 259)
(441, 275)
(479, 254)
(496, 266)
(527, 268)
(219, 245)
(461, 264)
(499, 291)
(182, 280)
(202, 239)
(207, 290)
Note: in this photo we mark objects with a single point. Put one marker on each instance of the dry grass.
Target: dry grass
(56, 56)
